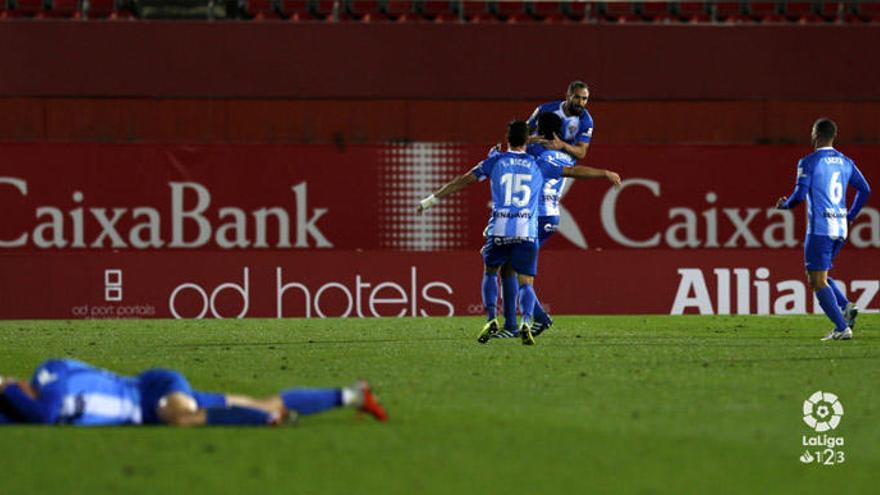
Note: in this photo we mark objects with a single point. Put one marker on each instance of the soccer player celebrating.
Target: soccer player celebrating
(822, 178)
(516, 180)
(66, 391)
(549, 126)
(577, 123)
(572, 135)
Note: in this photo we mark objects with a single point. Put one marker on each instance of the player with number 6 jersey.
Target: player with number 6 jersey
(822, 179)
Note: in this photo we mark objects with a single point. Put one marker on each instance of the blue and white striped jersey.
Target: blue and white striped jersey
(516, 180)
(575, 129)
(79, 394)
(548, 206)
(826, 173)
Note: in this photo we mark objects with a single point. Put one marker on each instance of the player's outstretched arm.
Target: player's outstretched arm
(582, 172)
(451, 187)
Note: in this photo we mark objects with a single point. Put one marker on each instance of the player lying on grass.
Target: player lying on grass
(822, 178)
(549, 126)
(516, 180)
(66, 391)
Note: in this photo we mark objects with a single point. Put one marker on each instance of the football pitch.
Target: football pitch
(622, 404)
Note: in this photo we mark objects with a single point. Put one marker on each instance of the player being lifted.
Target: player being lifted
(516, 180)
(66, 391)
(822, 178)
(572, 136)
(577, 123)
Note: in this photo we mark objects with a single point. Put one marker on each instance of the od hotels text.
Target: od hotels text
(359, 297)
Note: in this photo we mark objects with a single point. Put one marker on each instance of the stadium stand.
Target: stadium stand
(467, 11)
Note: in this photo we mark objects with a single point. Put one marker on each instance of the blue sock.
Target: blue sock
(237, 415)
(209, 399)
(527, 299)
(509, 289)
(540, 314)
(838, 294)
(829, 306)
(490, 294)
(307, 401)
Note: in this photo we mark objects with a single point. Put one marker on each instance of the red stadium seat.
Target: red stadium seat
(692, 12)
(545, 11)
(99, 9)
(26, 8)
(730, 12)
(436, 10)
(832, 11)
(768, 12)
(657, 11)
(400, 11)
(580, 11)
(328, 10)
(295, 10)
(513, 12)
(474, 12)
(617, 12)
(867, 12)
(260, 10)
(802, 12)
(66, 8)
(364, 10)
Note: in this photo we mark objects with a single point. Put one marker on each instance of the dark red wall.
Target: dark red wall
(448, 61)
(375, 121)
(362, 83)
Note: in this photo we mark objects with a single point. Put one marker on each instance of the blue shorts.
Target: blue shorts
(155, 384)
(547, 226)
(521, 253)
(819, 252)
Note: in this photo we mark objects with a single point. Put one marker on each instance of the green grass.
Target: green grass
(602, 404)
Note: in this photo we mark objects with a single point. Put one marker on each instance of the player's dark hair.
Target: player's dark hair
(517, 133)
(826, 129)
(576, 85)
(549, 124)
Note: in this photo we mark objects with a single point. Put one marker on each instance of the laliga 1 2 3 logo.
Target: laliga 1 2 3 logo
(823, 412)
